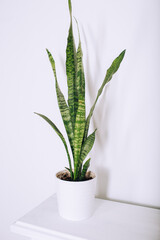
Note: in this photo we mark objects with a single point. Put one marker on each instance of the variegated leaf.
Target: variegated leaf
(87, 146)
(61, 137)
(84, 169)
(71, 71)
(113, 68)
(64, 109)
(78, 134)
(70, 172)
(80, 71)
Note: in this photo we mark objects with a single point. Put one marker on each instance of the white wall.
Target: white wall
(126, 153)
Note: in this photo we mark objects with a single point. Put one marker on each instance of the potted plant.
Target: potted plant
(75, 184)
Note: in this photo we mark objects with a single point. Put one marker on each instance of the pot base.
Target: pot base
(75, 199)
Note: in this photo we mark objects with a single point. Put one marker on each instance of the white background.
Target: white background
(126, 154)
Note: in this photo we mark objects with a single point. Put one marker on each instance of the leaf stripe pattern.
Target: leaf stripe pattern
(87, 146)
(85, 168)
(62, 105)
(78, 134)
(61, 137)
(80, 71)
(71, 68)
(113, 68)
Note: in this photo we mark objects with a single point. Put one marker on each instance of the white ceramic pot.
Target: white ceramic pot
(76, 199)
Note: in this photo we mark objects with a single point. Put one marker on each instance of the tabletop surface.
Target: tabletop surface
(110, 221)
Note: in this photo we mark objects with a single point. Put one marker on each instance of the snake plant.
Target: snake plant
(73, 112)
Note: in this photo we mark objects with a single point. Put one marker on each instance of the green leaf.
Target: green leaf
(78, 134)
(113, 68)
(80, 118)
(64, 109)
(61, 137)
(71, 68)
(87, 146)
(80, 71)
(84, 170)
(67, 168)
(70, 6)
(70, 171)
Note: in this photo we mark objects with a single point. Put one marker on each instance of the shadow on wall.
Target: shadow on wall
(100, 114)
(102, 182)
(100, 121)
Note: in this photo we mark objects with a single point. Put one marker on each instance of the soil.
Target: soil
(65, 175)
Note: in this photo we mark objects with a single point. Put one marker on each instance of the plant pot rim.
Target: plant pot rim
(93, 175)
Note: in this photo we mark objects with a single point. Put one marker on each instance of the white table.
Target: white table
(111, 221)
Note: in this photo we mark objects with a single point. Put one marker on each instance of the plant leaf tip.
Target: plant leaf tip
(124, 51)
(47, 50)
(122, 54)
(36, 113)
(70, 6)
